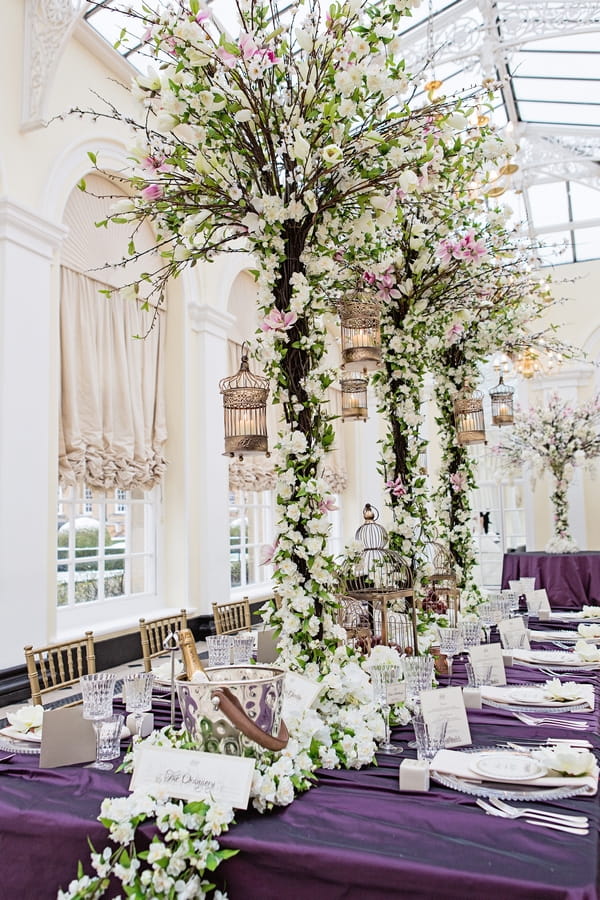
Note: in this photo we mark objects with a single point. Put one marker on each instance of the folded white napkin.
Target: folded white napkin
(459, 764)
(544, 636)
(535, 696)
(35, 737)
(163, 672)
(588, 631)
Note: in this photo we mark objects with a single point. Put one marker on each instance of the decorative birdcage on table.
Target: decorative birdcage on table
(440, 584)
(379, 577)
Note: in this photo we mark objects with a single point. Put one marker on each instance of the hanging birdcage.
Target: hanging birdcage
(469, 418)
(245, 411)
(502, 397)
(360, 323)
(377, 576)
(354, 397)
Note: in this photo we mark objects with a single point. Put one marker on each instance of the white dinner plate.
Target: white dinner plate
(510, 767)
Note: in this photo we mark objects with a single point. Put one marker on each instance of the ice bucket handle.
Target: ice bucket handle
(229, 704)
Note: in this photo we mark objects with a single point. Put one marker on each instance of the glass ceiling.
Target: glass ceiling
(547, 55)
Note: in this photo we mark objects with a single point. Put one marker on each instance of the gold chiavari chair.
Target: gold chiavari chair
(59, 665)
(153, 635)
(232, 617)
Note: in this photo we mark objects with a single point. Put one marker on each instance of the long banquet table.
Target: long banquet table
(353, 836)
(572, 580)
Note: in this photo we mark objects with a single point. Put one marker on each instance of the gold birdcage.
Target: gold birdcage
(354, 397)
(377, 576)
(469, 418)
(245, 411)
(360, 323)
(502, 397)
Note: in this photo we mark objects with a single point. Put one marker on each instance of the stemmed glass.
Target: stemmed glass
(382, 677)
(137, 693)
(450, 642)
(487, 614)
(97, 692)
(470, 631)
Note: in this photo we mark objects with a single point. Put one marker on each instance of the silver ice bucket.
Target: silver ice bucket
(239, 707)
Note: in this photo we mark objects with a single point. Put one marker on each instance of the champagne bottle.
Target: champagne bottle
(191, 661)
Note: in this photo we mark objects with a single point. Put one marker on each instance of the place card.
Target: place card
(447, 705)
(67, 738)
(489, 656)
(300, 693)
(513, 633)
(537, 601)
(395, 693)
(192, 774)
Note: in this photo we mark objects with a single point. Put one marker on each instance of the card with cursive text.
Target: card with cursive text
(537, 601)
(300, 693)
(447, 705)
(193, 775)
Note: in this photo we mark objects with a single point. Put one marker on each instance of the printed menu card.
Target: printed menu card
(447, 705)
(489, 656)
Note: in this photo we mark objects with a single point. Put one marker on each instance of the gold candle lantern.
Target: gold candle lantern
(468, 417)
(502, 397)
(245, 411)
(354, 398)
(360, 322)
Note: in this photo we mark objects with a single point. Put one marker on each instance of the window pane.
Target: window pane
(549, 204)
(585, 201)
(104, 548)
(587, 243)
(250, 529)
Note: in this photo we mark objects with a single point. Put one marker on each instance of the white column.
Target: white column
(209, 578)
(29, 387)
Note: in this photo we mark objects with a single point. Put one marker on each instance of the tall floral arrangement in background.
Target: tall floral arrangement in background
(555, 437)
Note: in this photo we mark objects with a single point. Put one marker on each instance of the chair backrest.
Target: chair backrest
(154, 633)
(232, 617)
(59, 665)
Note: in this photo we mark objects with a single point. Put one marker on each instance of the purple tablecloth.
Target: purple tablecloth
(571, 579)
(353, 836)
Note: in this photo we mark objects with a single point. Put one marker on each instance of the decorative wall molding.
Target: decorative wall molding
(205, 318)
(48, 26)
(26, 228)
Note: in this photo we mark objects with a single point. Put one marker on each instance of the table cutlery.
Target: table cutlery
(555, 826)
(576, 724)
(8, 756)
(524, 811)
(555, 743)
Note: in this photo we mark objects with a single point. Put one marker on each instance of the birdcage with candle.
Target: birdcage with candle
(245, 411)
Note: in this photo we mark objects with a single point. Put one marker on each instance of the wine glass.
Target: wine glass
(487, 614)
(382, 677)
(470, 630)
(450, 642)
(97, 692)
(137, 693)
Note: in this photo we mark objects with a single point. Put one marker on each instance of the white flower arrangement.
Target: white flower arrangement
(27, 719)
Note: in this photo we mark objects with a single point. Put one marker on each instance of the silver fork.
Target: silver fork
(555, 826)
(524, 811)
(576, 724)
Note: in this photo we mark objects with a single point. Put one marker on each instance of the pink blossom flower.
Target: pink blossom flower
(395, 487)
(470, 247)
(155, 164)
(387, 287)
(458, 480)
(327, 505)
(369, 277)
(203, 16)
(278, 321)
(247, 45)
(445, 250)
(152, 192)
(454, 334)
(268, 553)
(228, 59)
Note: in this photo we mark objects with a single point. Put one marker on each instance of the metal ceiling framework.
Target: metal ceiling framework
(547, 57)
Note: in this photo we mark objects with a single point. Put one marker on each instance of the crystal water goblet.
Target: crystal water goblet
(429, 737)
(418, 676)
(382, 677)
(470, 631)
(97, 693)
(487, 614)
(137, 693)
(450, 639)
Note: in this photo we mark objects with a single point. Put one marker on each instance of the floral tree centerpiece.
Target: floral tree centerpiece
(555, 437)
